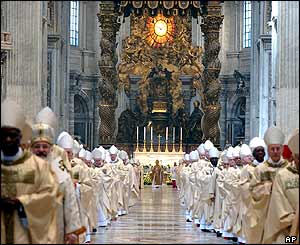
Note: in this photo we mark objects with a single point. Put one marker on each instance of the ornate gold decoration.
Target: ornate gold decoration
(17, 175)
(161, 30)
(165, 6)
(159, 106)
(109, 24)
(178, 57)
(211, 85)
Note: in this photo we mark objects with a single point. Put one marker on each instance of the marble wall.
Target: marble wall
(84, 71)
(58, 62)
(274, 83)
(233, 57)
(261, 65)
(26, 64)
(286, 64)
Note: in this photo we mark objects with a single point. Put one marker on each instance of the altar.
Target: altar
(165, 158)
(162, 153)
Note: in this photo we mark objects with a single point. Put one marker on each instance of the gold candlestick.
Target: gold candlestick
(137, 147)
(173, 150)
(144, 149)
(151, 146)
(167, 149)
(180, 146)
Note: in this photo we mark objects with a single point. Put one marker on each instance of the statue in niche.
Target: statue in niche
(127, 126)
(194, 124)
(180, 120)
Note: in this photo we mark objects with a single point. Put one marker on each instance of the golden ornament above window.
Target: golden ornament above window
(161, 30)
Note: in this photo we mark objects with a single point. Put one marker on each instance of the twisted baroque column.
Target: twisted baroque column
(108, 75)
(211, 85)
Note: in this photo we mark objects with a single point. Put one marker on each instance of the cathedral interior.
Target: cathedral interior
(188, 70)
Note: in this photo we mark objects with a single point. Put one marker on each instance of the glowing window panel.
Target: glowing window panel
(161, 30)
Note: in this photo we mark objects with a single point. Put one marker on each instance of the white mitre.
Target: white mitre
(186, 157)
(76, 147)
(66, 141)
(208, 144)
(47, 116)
(224, 157)
(82, 153)
(123, 155)
(214, 152)
(274, 136)
(97, 154)
(201, 149)
(62, 134)
(194, 156)
(88, 156)
(236, 151)
(113, 150)
(12, 115)
(229, 153)
(256, 142)
(293, 141)
(245, 151)
(104, 153)
(42, 132)
(43, 129)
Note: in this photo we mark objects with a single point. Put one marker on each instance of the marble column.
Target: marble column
(286, 70)
(58, 63)
(264, 44)
(108, 81)
(26, 65)
(212, 86)
(261, 72)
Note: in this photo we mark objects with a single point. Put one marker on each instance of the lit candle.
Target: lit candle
(166, 133)
(151, 135)
(144, 133)
(180, 134)
(137, 134)
(173, 134)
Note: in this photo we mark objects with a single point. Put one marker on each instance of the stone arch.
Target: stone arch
(236, 124)
(82, 129)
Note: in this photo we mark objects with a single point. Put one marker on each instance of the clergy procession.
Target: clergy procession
(55, 191)
(248, 193)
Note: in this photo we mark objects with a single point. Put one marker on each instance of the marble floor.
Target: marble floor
(158, 218)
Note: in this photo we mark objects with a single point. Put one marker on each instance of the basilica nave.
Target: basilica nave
(149, 122)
